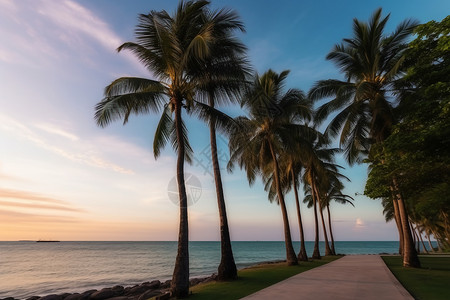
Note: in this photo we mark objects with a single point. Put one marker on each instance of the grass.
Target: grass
(252, 280)
(431, 282)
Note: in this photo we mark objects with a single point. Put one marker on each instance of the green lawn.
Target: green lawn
(252, 280)
(431, 282)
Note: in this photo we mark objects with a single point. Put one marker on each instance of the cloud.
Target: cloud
(85, 153)
(58, 131)
(76, 19)
(13, 218)
(24, 195)
(359, 223)
(39, 206)
(24, 199)
(37, 33)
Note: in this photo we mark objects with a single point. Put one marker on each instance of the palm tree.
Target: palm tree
(390, 211)
(335, 193)
(270, 130)
(223, 76)
(314, 199)
(291, 167)
(174, 48)
(371, 63)
(317, 176)
(293, 171)
(375, 181)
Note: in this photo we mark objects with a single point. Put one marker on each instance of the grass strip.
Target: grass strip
(253, 279)
(431, 282)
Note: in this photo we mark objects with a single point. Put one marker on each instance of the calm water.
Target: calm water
(30, 268)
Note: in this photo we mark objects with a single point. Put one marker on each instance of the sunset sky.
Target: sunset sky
(64, 178)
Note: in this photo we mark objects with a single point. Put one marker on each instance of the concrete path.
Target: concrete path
(350, 277)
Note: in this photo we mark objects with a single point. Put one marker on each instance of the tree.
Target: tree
(174, 48)
(270, 130)
(292, 172)
(334, 193)
(319, 171)
(223, 78)
(372, 63)
(416, 152)
(291, 168)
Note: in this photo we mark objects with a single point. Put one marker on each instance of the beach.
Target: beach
(37, 269)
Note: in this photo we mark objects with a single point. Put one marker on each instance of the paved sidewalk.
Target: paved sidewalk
(350, 277)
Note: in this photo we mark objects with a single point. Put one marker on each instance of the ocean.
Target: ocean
(30, 268)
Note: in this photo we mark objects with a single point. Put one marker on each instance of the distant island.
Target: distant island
(47, 241)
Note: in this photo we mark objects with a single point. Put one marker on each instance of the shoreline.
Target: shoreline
(144, 290)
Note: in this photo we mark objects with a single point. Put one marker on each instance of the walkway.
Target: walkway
(351, 277)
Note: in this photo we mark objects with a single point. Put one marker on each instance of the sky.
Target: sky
(64, 178)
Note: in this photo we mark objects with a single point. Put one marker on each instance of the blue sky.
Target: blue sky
(62, 177)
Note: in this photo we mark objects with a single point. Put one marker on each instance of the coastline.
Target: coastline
(155, 288)
(142, 291)
(75, 267)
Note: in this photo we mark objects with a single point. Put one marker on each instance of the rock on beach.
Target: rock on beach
(141, 291)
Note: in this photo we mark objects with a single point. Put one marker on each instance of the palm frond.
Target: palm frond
(126, 85)
(121, 107)
(221, 121)
(188, 152)
(163, 131)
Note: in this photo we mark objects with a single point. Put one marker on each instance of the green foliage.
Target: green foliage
(193, 54)
(417, 153)
(253, 279)
(273, 122)
(428, 57)
(371, 62)
(429, 282)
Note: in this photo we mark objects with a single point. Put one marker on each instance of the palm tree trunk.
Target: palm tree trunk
(416, 236)
(180, 280)
(316, 252)
(302, 256)
(410, 258)
(439, 246)
(333, 251)
(429, 243)
(227, 267)
(421, 240)
(291, 258)
(397, 222)
(325, 235)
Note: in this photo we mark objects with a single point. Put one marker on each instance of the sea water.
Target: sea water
(30, 268)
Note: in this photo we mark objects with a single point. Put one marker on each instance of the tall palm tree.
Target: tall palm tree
(371, 63)
(293, 171)
(223, 77)
(174, 48)
(314, 199)
(390, 211)
(290, 169)
(334, 193)
(269, 131)
(318, 167)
